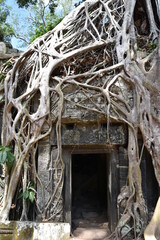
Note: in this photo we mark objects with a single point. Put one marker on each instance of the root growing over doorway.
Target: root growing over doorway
(102, 58)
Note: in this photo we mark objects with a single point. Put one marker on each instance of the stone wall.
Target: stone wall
(81, 108)
(7, 52)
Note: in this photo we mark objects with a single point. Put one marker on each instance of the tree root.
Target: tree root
(87, 63)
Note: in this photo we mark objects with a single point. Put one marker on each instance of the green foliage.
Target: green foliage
(41, 17)
(66, 6)
(42, 20)
(146, 46)
(26, 3)
(2, 76)
(150, 46)
(39, 20)
(6, 156)
(52, 6)
(6, 31)
(8, 64)
(29, 193)
(37, 32)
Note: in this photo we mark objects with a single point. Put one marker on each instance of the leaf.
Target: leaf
(20, 195)
(1, 154)
(8, 149)
(1, 148)
(26, 194)
(10, 160)
(10, 156)
(4, 156)
(31, 196)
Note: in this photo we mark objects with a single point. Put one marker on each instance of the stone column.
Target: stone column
(67, 186)
(43, 173)
(57, 204)
(49, 173)
(113, 188)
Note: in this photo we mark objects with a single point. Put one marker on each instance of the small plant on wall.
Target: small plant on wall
(6, 156)
(29, 193)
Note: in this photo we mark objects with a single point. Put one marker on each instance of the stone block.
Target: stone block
(77, 134)
(2, 48)
(32, 230)
(7, 230)
(43, 172)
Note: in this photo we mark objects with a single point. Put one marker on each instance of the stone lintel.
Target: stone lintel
(91, 134)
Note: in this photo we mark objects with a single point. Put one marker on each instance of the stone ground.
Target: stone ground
(91, 232)
(91, 227)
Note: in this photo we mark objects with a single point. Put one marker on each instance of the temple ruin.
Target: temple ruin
(81, 115)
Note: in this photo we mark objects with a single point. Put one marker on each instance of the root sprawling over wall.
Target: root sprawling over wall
(102, 49)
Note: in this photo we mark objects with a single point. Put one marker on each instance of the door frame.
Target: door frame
(112, 183)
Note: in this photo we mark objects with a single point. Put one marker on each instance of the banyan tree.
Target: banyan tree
(102, 60)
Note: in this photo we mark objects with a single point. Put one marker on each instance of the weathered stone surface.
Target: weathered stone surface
(7, 53)
(7, 230)
(43, 173)
(82, 108)
(72, 111)
(49, 173)
(2, 48)
(57, 207)
(53, 231)
(123, 166)
(35, 231)
(91, 230)
(76, 134)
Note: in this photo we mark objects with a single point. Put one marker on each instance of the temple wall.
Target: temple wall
(7, 52)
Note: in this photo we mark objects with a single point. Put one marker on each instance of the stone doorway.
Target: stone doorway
(103, 165)
(89, 188)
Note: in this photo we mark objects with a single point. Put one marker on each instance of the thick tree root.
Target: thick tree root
(90, 63)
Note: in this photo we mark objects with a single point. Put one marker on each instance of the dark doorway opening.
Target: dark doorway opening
(89, 188)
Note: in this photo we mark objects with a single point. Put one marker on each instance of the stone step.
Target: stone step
(90, 234)
(91, 231)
